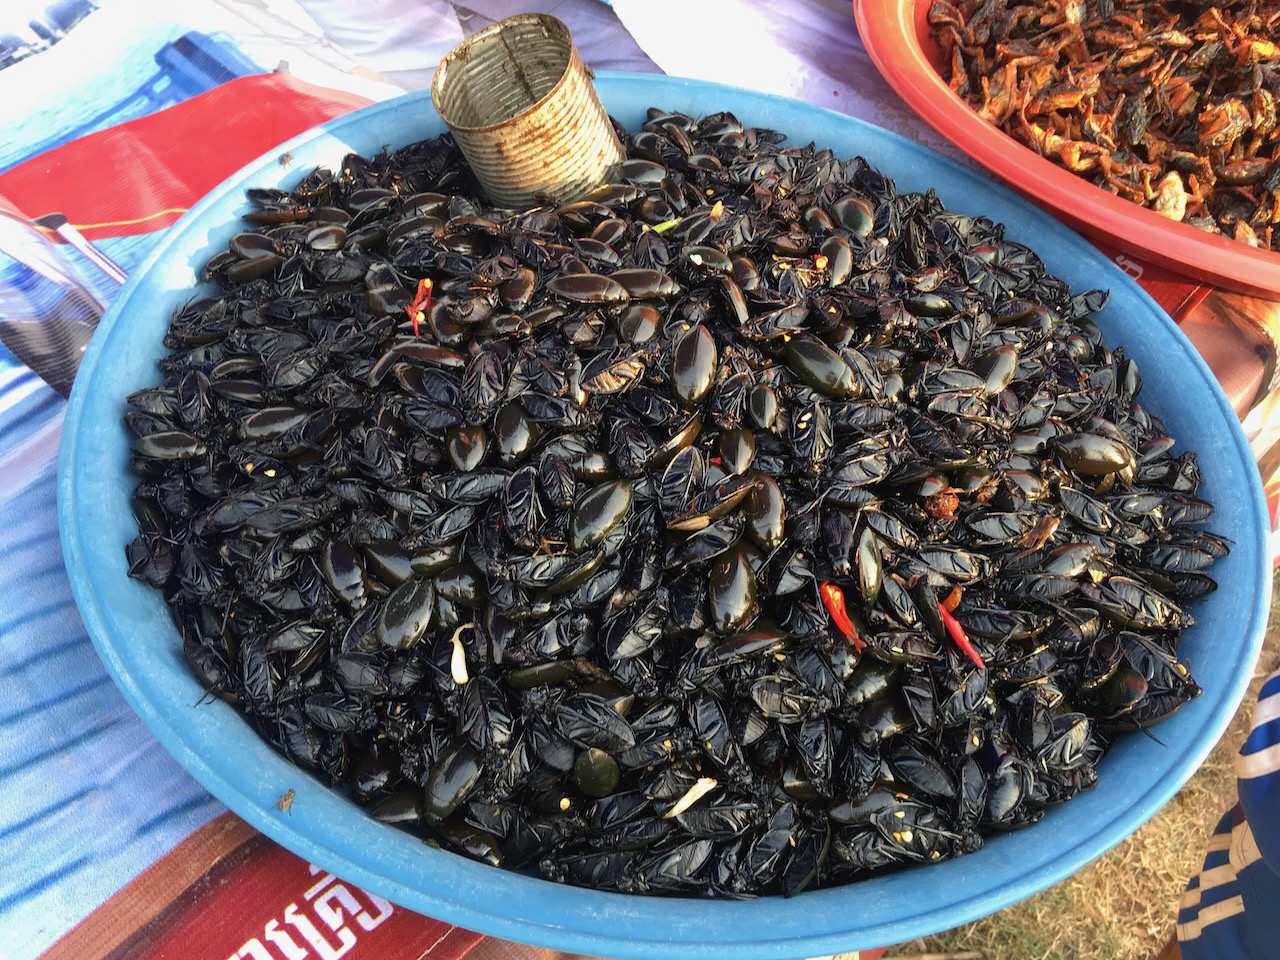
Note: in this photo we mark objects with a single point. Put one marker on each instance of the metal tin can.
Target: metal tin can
(521, 106)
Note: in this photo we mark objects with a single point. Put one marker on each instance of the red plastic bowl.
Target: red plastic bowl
(896, 36)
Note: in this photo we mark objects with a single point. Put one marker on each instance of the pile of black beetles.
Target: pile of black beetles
(743, 527)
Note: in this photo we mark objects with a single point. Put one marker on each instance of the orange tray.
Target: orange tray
(896, 36)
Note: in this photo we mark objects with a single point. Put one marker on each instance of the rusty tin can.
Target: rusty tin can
(521, 106)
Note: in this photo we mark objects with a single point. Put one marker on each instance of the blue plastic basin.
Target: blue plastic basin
(136, 636)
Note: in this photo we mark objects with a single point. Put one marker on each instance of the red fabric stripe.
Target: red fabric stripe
(159, 165)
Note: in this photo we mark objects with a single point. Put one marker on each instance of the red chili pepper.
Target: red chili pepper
(833, 600)
(957, 634)
(418, 308)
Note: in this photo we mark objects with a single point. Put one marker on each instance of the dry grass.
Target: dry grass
(1122, 906)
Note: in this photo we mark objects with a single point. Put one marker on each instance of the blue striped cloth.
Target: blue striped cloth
(87, 794)
(1231, 908)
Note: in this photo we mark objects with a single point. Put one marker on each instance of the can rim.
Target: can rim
(462, 51)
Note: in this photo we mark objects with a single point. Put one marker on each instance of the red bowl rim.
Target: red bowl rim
(895, 34)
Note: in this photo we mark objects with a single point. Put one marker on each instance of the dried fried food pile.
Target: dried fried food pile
(1170, 105)
(746, 526)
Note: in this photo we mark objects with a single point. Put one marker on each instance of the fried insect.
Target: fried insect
(1169, 105)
